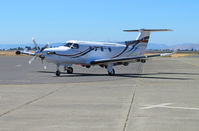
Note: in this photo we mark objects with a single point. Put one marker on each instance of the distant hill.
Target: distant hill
(185, 46)
(157, 46)
(8, 46)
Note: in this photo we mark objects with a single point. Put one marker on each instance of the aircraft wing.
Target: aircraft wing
(126, 59)
(25, 52)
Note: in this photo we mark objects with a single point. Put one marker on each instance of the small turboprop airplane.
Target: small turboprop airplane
(104, 54)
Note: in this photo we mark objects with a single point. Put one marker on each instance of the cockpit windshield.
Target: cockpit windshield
(72, 45)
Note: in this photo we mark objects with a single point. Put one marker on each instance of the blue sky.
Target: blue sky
(98, 20)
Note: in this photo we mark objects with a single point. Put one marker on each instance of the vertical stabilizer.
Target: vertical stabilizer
(142, 40)
(143, 34)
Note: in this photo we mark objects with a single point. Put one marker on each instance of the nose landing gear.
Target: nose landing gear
(58, 71)
(69, 70)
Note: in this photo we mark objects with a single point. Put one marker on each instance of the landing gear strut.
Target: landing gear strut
(111, 71)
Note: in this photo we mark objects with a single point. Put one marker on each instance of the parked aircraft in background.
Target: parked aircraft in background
(89, 53)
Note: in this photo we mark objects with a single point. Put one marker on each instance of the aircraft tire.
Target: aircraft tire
(143, 61)
(70, 70)
(58, 73)
(111, 73)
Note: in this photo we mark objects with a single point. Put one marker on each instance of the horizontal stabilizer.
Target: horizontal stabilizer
(150, 30)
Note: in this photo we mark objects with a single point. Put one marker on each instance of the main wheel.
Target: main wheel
(70, 70)
(112, 72)
(143, 61)
(58, 73)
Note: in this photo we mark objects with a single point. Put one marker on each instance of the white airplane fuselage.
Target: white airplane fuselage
(89, 51)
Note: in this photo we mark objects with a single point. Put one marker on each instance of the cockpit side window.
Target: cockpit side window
(75, 46)
(68, 44)
(72, 45)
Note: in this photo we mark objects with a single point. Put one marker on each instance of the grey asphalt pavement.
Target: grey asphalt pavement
(164, 97)
(16, 70)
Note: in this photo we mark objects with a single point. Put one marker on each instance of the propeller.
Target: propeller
(45, 46)
(32, 59)
(35, 43)
(38, 52)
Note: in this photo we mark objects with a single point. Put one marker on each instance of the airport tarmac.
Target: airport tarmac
(16, 70)
(164, 97)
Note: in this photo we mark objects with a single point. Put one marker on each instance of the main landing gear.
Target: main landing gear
(143, 61)
(69, 70)
(110, 70)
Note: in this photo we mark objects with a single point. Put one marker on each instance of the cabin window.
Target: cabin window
(109, 49)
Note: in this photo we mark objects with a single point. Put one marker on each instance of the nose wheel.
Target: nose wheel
(58, 73)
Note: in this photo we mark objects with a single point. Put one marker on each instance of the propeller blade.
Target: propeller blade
(38, 53)
(31, 60)
(35, 43)
(45, 46)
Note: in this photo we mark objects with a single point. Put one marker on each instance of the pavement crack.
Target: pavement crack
(129, 111)
(28, 103)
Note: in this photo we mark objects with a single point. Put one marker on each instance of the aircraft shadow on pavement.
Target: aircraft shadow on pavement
(177, 73)
(127, 75)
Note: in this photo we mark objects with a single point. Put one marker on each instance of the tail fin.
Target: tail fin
(143, 37)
